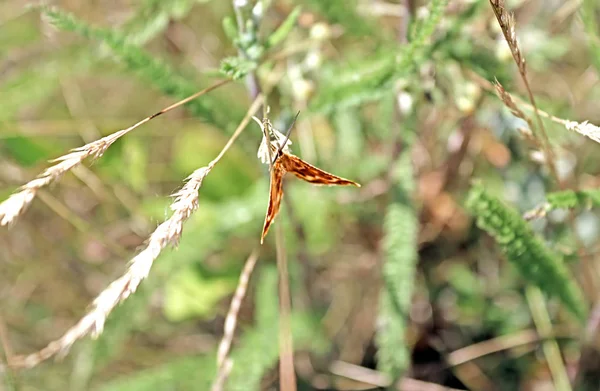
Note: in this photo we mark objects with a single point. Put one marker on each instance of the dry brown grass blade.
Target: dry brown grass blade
(231, 318)
(16, 204)
(167, 233)
(507, 23)
(584, 128)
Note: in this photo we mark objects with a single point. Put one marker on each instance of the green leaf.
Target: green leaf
(283, 31)
(237, 67)
(194, 293)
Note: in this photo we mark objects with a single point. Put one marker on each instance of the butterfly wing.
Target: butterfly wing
(275, 196)
(310, 173)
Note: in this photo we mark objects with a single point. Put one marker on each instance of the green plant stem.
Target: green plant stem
(543, 324)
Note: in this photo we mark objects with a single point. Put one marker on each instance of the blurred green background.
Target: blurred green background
(393, 94)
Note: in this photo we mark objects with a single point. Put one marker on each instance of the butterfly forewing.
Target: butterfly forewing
(310, 173)
(275, 195)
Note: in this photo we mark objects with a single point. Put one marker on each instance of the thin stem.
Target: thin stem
(543, 324)
(287, 376)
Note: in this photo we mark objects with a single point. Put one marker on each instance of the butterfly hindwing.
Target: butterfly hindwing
(310, 173)
(275, 196)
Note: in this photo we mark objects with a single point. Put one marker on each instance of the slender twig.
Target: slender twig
(232, 316)
(16, 204)
(543, 324)
(222, 375)
(379, 379)
(287, 376)
(498, 344)
(507, 24)
(584, 128)
(167, 233)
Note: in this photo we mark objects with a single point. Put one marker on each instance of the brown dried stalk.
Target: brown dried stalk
(223, 362)
(287, 376)
(584, 128)
(16, 204)
(507, 23)
(510, 103)
(169, 232)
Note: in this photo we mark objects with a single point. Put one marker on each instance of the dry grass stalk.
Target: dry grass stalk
(584, 128)
(234, 309)
(507, 24)
(167, 233)
(510, 103)
(287, 375)
(16, 204)
(222, 375)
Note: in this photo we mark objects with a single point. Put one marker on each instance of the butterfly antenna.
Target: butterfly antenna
(287, 136)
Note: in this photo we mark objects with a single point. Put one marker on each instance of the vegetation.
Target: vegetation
(133, 259)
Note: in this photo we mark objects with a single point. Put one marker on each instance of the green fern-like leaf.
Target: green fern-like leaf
(151, 70)
(536, 263)
(400, 229)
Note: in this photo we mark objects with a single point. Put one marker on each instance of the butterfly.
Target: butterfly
(284, 162)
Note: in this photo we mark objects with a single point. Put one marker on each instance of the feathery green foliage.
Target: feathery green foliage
(151, 70)
(250, 46)
(569, 199)
(365, 82)
(345, 13)
(412, 55)
(589, 12)
(536, 263)
(572, 199)
(400, 246)
(566, 199)
(370, 80)
(153, 17)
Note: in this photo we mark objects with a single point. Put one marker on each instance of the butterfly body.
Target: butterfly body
(286, 162)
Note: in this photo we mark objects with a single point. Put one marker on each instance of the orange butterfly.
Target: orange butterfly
(286, 162)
